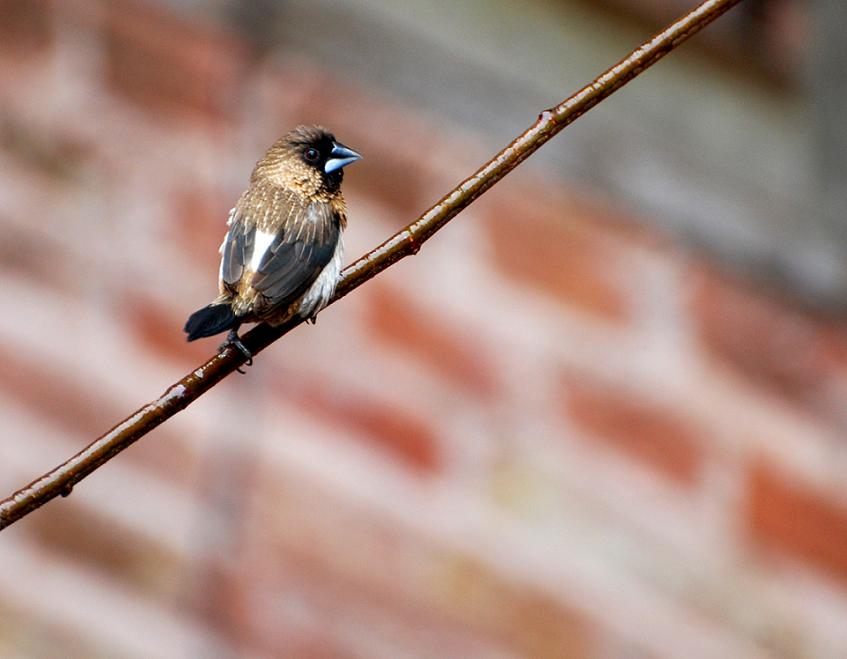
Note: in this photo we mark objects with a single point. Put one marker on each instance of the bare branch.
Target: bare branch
(61, 480)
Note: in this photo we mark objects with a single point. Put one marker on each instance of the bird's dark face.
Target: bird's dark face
(319, 151)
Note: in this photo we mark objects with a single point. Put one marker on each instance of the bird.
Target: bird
(281, 255)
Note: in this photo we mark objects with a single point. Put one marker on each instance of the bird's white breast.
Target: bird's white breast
(323, 287)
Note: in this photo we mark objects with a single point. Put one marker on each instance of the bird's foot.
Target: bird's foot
(232, 339)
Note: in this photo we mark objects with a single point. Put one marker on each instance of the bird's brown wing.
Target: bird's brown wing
(301, 248)
(236, 251)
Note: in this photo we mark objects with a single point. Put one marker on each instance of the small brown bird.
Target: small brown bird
(281, 256)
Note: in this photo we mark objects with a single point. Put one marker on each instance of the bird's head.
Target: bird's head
(308, 160)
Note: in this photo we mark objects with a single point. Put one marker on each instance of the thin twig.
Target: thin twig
(61, 480)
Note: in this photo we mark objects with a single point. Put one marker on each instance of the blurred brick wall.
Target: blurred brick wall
(550, 434)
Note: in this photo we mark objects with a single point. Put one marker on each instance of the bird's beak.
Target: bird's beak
(339, 157)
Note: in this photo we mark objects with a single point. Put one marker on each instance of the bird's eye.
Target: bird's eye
(311, 154)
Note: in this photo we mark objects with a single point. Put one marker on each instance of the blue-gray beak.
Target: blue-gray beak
(339, 157)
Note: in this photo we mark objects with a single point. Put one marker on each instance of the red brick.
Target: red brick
(392, 180)
(559, 248)
(528, 620)
(405, 436)
(79, 534)
(198, 223)
(24, 27)
(164, 453)
(63, 398)
(794, 519)
(292, 641)
(163, 62)
(654, 434)
(789, 352)
(39, 633)
(159, 329)
(72, 403)
(37, 258)
(50, 158)
(222, 601)
(462, 596)
(402, 321)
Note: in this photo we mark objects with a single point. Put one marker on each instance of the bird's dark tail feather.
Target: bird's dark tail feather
(210, 320)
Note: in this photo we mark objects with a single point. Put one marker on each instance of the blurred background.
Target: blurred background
(601, 415)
